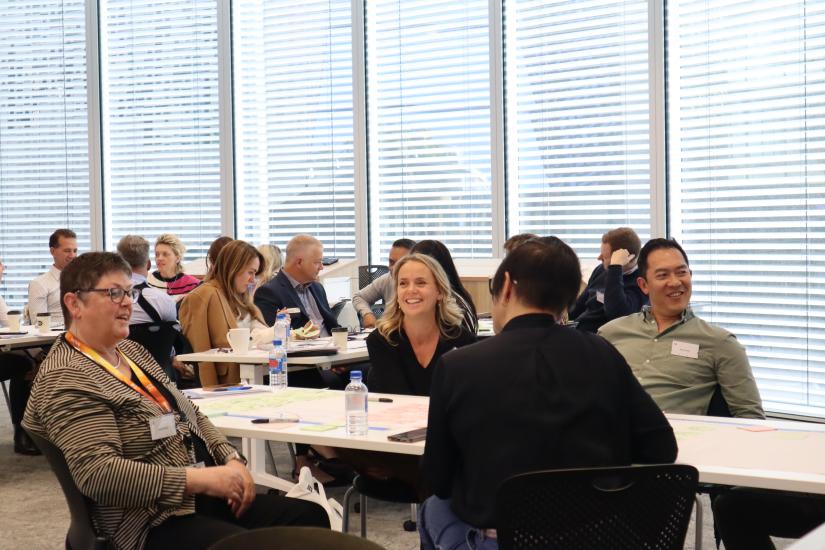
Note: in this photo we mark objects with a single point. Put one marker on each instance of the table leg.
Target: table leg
(252, 374)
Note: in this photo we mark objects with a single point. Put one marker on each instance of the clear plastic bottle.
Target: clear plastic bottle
(281, 328)
(355, 396)
(277, 366)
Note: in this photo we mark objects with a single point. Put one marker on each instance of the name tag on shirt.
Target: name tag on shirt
(162, 427)
(685, 349)
(600, 296)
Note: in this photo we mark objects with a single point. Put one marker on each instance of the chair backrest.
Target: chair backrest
(369, 273)
(718, 404)
(158, 338)
(81, 535)
(623, 508)
(305, 538)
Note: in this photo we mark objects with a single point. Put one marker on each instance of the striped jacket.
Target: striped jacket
(102, 427)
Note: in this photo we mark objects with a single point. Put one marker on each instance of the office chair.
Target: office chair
(389, 490)
(159, 338)
(622, 508)
(81, 535)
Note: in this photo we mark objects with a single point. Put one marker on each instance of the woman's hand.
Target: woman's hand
(231, 482)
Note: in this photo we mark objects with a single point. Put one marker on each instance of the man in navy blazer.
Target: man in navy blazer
(296, 285)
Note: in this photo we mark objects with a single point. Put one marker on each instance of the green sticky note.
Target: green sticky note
(319, 427)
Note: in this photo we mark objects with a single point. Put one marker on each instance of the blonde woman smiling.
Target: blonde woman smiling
(169, 251)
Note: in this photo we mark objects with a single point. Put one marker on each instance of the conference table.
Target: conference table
(32, 338)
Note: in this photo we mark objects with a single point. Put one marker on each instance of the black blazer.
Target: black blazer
(278, 293)
(537, 396)
(621, 296)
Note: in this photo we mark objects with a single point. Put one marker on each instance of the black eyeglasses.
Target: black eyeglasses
(116, 294)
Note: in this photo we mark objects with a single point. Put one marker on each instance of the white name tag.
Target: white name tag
(162, 427)
(600, 297)
(685, 349)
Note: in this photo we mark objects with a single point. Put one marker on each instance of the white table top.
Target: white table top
(356, 352)
(726, 451)
(32, 340)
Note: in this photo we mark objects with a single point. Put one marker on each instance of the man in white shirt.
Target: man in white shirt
(44, 291)
(135, 250)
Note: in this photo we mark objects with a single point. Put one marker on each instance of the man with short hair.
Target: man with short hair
(382, 287)
(612, 291)
(44, 291)
(547, 396)
(679, 358)
(135, 250)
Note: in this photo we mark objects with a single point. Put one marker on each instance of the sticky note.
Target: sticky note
(319, 427)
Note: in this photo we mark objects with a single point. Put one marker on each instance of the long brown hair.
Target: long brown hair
(231, 260)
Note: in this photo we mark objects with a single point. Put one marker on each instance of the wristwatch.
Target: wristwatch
(236, 456)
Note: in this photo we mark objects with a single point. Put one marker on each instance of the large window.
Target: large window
(292, 66)
(747, 181)
(428, 99)
(578, 118)
(159, 76)
(44, 176)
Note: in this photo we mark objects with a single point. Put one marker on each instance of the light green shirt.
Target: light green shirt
(681, 366)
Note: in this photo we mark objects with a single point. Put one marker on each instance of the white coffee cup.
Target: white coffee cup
(339, 337)
(43, 322)
(238, 339)
(13, 321)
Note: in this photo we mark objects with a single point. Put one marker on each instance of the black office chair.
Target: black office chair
(81, 535)
(159, 338)
(369, 273)
(388, 490)
(288, 538)
(622, 508)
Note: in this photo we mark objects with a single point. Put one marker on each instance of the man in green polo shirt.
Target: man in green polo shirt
(677, 357)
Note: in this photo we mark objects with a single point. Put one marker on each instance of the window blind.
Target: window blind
(44, 174)
(577, 116)
(159, 79)
(747, 181)
(292, 66)
(428, 109)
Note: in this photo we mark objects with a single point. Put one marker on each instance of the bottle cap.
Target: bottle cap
(277, 343)
(355, 375)
(280, 316)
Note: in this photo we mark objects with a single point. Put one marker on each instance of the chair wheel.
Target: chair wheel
(357, 507)
(410, 526)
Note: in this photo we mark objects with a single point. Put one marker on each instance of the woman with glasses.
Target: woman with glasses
(158, 473)
(221, 303)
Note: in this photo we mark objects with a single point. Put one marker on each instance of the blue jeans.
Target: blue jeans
(441, 529)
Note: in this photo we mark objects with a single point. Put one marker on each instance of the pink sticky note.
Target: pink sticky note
(758, 428)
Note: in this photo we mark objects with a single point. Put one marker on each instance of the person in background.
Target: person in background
(135, 250)
(222, 303)
(44, 291)
(131, 440)
(517, 240)
(439, 251)
(18, 368)
(612, 291)
(273, 261)
(533, 377)
(679, 358)
(169, 251)
(382, 287)
(422, 322)
(215, 249)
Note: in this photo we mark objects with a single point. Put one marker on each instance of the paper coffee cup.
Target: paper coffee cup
(13, 320)
(43, 322)
(339, 337)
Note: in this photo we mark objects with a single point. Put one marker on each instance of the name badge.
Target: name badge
(162, 427)
(685, 349)
(600, 296)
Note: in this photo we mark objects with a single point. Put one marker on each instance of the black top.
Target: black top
(279, 293)
(537, 396)
(609, 294)
(395, 368)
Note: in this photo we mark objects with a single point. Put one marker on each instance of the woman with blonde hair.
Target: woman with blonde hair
(273, 261)
(221, 303)
(169, 276)
(420, 324)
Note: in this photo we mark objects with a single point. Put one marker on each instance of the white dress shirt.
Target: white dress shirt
(44, 296)
(157, 298)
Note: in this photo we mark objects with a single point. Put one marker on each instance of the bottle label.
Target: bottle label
(277, 364)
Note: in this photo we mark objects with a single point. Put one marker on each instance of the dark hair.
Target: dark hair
(657, 244)
(54, 240)
(85, 272)
(546, 272)
(441, 254)
(517, 240)
(623, 237)
(403, 243)
(215, 249)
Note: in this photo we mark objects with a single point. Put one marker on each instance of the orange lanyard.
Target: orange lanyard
(91, 354)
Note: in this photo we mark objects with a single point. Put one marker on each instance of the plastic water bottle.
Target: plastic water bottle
(355, 395)
(277, 366)
(282, 328)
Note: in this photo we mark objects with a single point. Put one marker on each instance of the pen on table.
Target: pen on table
(379, 399)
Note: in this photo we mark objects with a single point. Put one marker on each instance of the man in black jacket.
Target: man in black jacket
(536, 396)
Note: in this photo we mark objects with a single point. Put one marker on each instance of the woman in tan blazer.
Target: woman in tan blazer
(222, 303)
